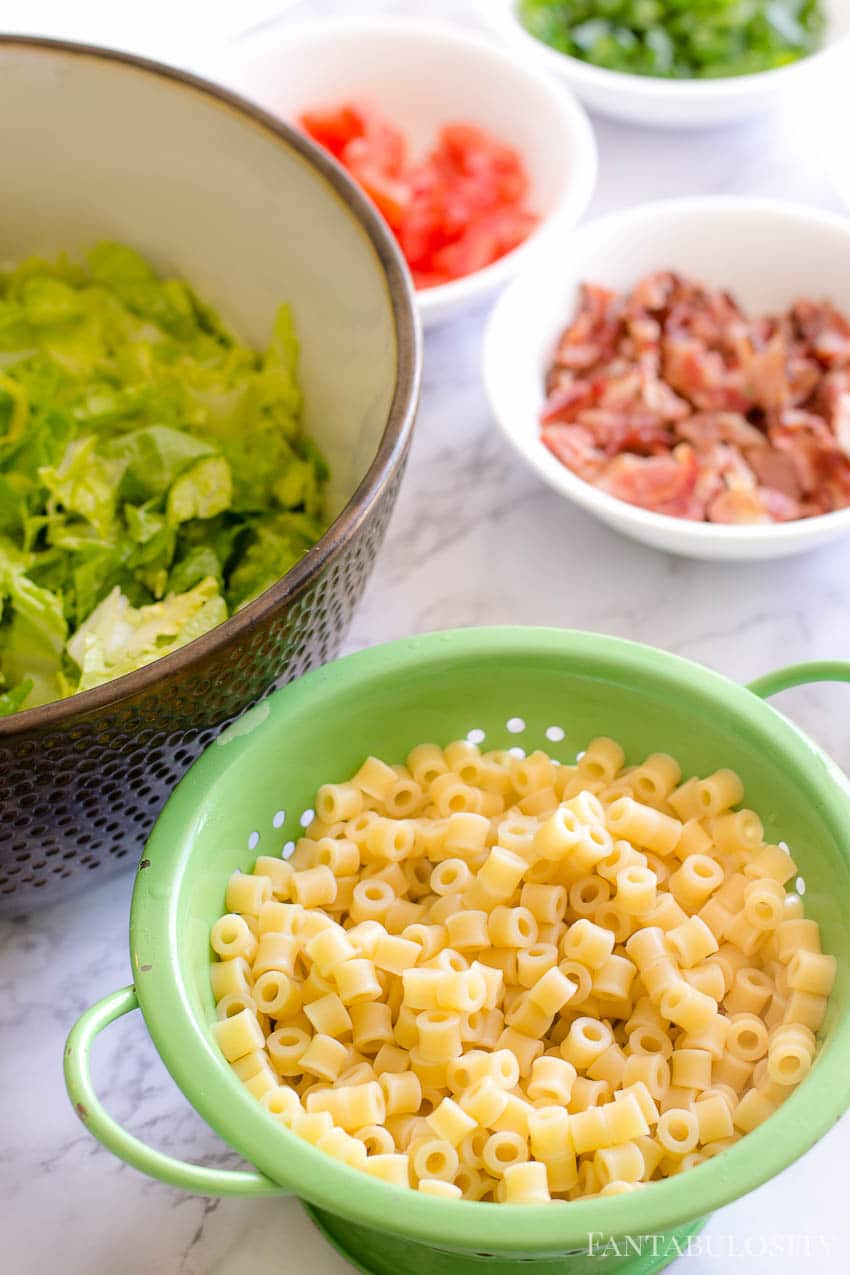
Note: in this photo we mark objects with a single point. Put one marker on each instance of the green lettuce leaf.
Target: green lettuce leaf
(278, 543)
(12, 701)
(154, 470)
(202, 491)
(34, 639)
(153, 458)
(118, 638)
(85, 483)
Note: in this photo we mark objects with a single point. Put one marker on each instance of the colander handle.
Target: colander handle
(782, 679)
(189, 1177)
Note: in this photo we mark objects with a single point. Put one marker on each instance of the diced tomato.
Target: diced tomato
(381, 145)
(421, 232)
(486, 239)
(454, 212)
(389, 195)
(430, 278)
(334, 128)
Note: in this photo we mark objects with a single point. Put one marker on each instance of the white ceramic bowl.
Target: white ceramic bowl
(766, 252)
(424, 75)
(644, 99)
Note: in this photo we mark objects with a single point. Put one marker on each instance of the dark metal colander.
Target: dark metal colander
(82, 780)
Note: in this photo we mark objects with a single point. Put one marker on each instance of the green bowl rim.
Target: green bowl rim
(199, 1070)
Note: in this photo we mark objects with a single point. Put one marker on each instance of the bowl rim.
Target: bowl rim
(574, 125)
(697, 535)
(188, 1052)
(394, 440)
(648, 88)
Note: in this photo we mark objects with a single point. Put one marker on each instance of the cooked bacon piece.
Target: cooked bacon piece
(795, 418)
(775, 470)
(701, 375)
(593, 333)
(765, 376)
(619, 392)
(738, 506)
(566, 401)
(654, 292)
(658, 396)
(574, 447)
(706, 428)
(780, 506)
(803, 375)
(826, 330)
(811, 448)
(617, 432)
(662, 483)
(673, 399)
(644, 331)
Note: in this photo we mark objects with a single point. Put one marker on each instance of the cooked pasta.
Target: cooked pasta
(500, 978)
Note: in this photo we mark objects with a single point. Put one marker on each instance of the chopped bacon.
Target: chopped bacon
(617, 432)
(776, 470)
(701, 375)
(705, 428)
(593, 334)
(765, 376)
(673, 399)
(658, 396)
(618, 392)
(738, 506)
(566, 401)
(826, 330)
(574, 447)
(781, 506)
(803, 376)
(653, 482)
(840, 422)
(644, 331)
(654, 292)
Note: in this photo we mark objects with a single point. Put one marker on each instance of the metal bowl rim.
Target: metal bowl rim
(391, 450)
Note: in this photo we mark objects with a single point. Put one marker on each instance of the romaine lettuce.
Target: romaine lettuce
(154, 472)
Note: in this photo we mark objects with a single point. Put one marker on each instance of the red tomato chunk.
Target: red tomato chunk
(456, 211)
(672, 398)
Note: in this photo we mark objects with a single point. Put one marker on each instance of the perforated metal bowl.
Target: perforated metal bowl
(106, 145)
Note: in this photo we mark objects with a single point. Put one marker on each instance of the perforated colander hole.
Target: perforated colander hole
(555, 733)
(515, 725)
(475, 736)
(288, 849)
(279, 819)
(307, 817)
(783, 845)
(579, 755)
(253, 840)
(800, 885)
(516, 752)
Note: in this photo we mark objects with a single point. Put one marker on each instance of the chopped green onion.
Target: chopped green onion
(688, 39)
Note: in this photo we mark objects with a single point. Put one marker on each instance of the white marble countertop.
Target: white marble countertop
(475, 540)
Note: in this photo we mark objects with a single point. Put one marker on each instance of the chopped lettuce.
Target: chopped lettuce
(117, 637)
(154, 472)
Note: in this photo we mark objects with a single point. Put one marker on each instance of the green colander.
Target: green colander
(249, 794)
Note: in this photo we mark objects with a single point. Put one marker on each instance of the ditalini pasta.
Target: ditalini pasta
(510, 980)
